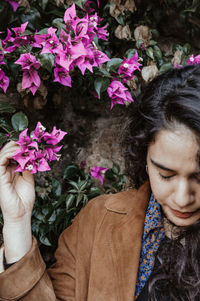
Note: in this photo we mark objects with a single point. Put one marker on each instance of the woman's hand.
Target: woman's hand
(17, 195)
(17, 192)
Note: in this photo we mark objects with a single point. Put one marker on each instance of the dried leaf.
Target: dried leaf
(60, 2)
(177, 57)
(118, 6)
(143, 33)
(25, 4)
(149, 72)
(39, 102)
(42, 90)
(123, 32)
(132, 84)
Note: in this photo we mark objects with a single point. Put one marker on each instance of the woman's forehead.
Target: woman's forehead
(178, 148)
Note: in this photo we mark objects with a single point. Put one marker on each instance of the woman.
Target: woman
(141, 244)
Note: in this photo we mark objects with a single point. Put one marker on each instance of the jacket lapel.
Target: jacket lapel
(125, 243)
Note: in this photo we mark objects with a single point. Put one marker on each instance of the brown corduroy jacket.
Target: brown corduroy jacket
(97, 256)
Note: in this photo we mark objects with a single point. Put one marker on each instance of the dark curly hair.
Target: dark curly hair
(171, 98)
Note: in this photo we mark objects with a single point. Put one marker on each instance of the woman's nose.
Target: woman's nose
(183, 194)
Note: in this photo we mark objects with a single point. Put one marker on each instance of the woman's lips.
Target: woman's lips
(182, 214)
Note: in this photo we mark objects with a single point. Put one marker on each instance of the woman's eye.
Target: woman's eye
(165, 177)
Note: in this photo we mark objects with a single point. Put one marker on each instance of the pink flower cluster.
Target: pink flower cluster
(193, 60)
(118, 93)
(97, 172)
(13, 3)
(37, 150)
(73, 47)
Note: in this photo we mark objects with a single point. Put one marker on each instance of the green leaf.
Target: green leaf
(56, 187)
(152, 43)
(100, 85)
(19, 121)
(33, 18)
(139, 43)
(83, 185)
(149, 52)
(74, 184)
(2, 139)
(115, 168)
(44, 3)
(79, 199)
(5, 125)
(45, 241)
(129, 53)
(93, 192)
(155, 33)
(157, 52)
(69, 201)
(47, 61)
(194, 6)
(177, 47)
(6, 108)
(186, 48)
(110, 175)
(114, 64)
(80, 3)
(166, 67)
(52, 218)
(42, 31)
(70, 171)
(58, 22)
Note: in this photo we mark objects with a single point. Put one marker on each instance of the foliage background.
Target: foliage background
(164, 33)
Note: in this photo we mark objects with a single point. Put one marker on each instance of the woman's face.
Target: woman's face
(174, 174)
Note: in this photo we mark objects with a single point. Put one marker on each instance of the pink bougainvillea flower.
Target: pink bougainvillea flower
(31, 80)
(62, 76)
(128, 66)
(25, 141)
(37, 150)
(51, 153)
(54, 137)
(2, 58)
(193, 60)
(20, 30)
(4, 81)
(177, 66)
(24, 156)
(97, 172)
(87, 7)
(28, 62)
(118, 93)
(38, 133)
(70, 15)
(13, 3)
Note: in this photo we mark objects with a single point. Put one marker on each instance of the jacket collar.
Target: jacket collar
(125, 201)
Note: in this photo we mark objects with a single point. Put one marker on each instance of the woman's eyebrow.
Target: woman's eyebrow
(161, 166)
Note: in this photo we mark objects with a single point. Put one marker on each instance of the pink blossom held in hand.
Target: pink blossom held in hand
(193, 60)
(97, 172)
(37, 150)
(4, 81)
(118, 93)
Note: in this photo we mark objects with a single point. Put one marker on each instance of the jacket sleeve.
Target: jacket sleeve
(28, 279)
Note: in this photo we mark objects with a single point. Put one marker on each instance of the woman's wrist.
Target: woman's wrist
(17, 238)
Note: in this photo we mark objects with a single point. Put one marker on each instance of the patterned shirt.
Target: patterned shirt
(151, 239)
